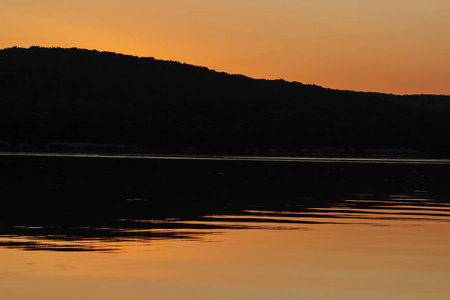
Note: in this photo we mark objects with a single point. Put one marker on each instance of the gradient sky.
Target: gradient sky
(394, 46)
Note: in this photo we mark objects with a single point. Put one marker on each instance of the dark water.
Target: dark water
(302, 221)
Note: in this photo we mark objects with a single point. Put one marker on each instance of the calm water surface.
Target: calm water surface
(109, 228)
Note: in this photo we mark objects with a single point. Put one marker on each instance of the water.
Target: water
(109, 228)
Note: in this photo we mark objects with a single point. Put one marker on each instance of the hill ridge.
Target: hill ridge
(77, 96)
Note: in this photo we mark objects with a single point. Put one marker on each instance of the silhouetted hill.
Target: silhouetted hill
(54, 98)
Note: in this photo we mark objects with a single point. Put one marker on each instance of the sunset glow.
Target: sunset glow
(399, 46)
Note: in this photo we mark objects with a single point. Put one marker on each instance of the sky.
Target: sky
(391, 46)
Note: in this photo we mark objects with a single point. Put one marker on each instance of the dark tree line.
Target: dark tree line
(54, 95)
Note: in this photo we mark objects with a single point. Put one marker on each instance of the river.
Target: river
(102, 227)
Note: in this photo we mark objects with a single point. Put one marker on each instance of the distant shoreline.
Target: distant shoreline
(254, 158)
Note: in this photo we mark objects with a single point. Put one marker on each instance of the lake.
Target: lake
(159, 227)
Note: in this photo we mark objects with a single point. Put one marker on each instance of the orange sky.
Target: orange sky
(394, 46)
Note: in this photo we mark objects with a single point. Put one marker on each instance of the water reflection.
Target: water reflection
(99, 204)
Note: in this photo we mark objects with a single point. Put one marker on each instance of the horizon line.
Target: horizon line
(222, 72)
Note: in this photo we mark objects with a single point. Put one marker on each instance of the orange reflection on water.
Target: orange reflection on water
(341, 256)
